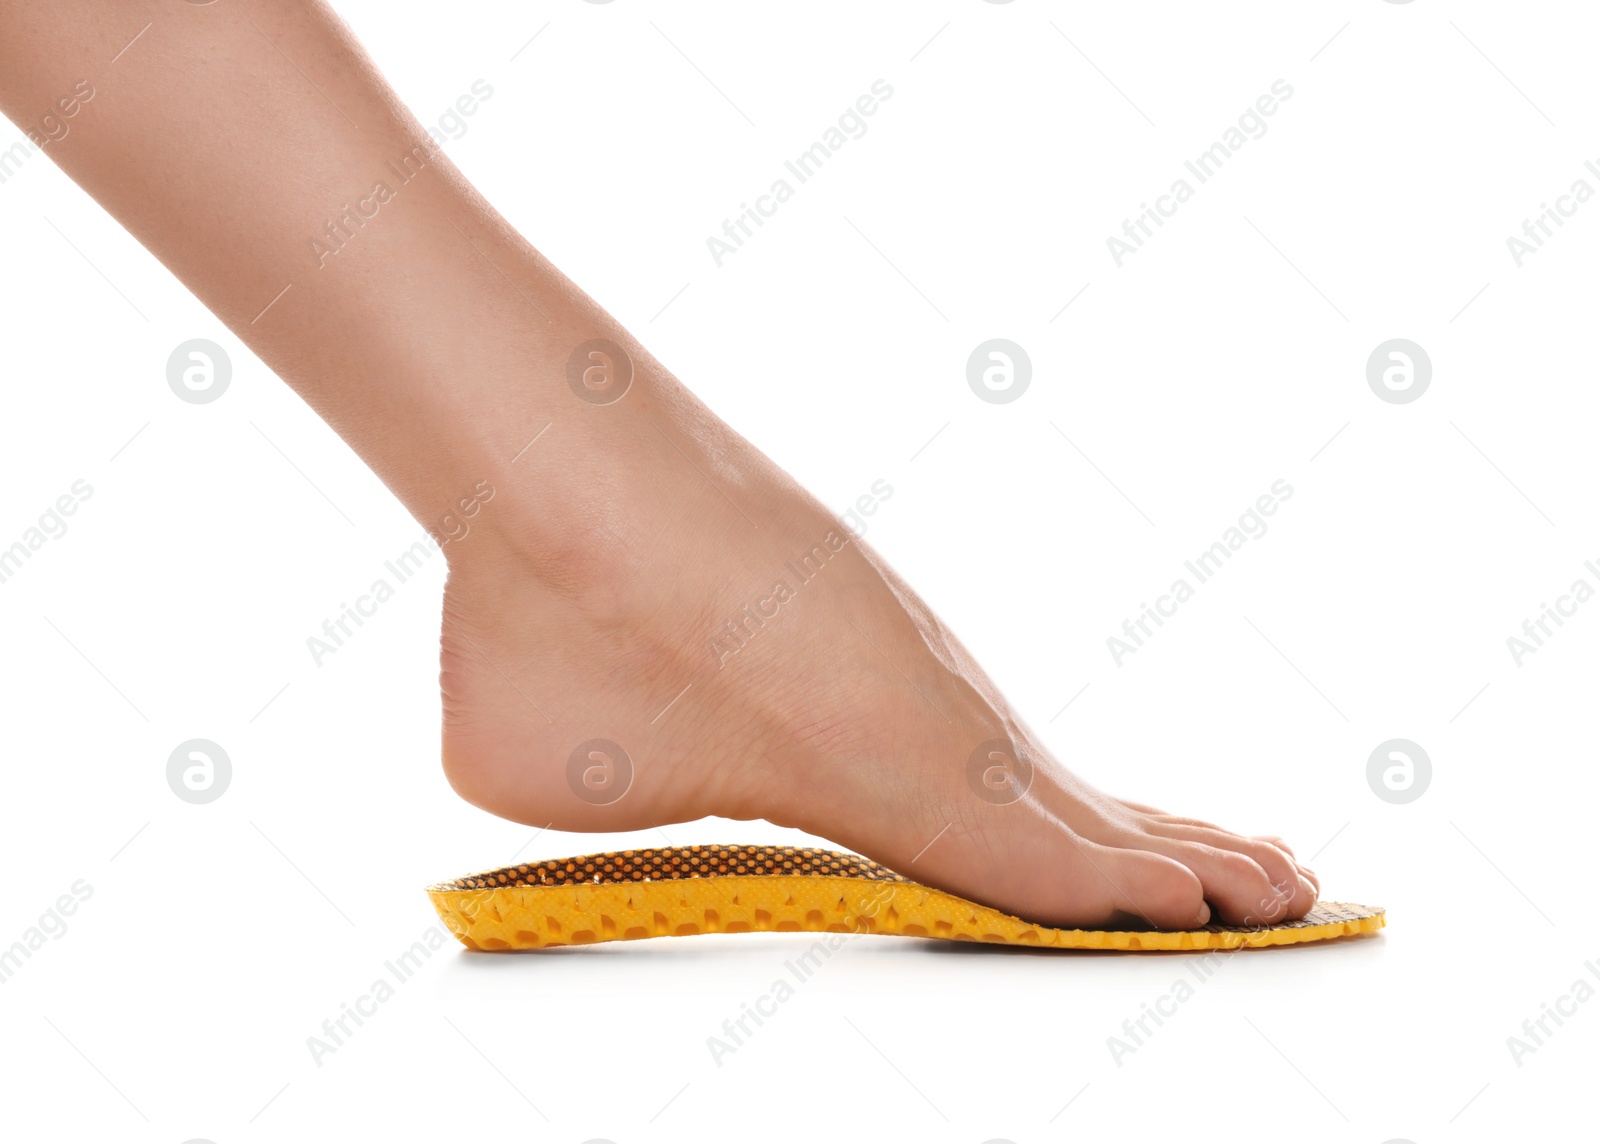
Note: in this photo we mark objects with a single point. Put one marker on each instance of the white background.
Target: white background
(1229, 353)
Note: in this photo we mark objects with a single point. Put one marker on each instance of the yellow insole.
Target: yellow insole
(678, 891)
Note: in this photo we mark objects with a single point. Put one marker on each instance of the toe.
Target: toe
(1155, 888)
(1307, 888)
(1238, 889)
(1282, 873)
(1183, 820)
(1142, 808)
(1275, 841)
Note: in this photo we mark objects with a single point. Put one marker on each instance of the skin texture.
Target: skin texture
(622, 542)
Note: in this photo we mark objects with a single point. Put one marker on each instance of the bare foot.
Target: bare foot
(651, 623)
(601, 589)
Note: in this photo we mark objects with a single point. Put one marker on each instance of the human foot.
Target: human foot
(585, 601)
(646, 580)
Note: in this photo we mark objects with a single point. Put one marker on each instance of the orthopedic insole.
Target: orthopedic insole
(678, 891)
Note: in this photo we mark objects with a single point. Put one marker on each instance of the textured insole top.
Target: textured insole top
(677, 863)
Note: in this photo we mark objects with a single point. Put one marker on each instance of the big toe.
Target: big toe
(1156, 889)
